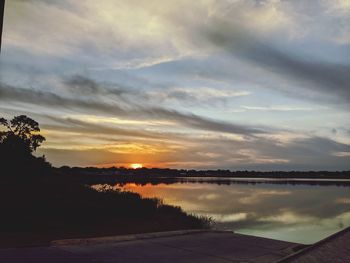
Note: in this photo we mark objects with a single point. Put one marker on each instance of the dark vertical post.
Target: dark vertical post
(2, 9)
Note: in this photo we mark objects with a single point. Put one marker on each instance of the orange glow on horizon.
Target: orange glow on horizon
(136, 165)
(130, 165)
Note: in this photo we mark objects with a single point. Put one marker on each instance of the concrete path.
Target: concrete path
(335, 248)
(176, 246)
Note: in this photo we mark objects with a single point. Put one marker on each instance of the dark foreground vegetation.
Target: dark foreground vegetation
(39, 205)
(42, 210)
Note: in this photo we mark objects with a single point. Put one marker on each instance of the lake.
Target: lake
(297, 212)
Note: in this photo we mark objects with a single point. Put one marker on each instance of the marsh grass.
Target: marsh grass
(49, 208)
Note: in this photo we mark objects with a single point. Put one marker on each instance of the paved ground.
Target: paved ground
(335, 248)
(179, 246)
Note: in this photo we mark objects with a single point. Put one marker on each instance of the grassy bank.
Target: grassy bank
(35, 212)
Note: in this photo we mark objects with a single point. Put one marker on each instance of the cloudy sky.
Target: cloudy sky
(201, 84)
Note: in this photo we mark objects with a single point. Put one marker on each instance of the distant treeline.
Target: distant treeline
(171, 173)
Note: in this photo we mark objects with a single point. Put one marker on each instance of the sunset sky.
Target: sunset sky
(201, 84)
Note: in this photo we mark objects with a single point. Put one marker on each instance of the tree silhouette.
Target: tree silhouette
(19, 138)
(22, 129)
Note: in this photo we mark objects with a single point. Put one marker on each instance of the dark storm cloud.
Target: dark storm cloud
(197, 122)
(311, 153)
(198, 97)
(45, 98)
(81, 85)
(41, 98)
(319, 76)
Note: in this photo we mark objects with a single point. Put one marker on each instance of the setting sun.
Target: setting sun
(136, 165)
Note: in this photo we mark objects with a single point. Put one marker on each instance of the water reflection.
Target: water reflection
(298, 213)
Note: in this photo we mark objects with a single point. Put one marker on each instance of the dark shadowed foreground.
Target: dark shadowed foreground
(201, 246)
(36, 212)
(183, 246)
(334, 248)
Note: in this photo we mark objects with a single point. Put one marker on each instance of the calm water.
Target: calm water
(298, 213)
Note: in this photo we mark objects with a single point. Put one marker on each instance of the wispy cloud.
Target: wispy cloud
(278, 108)
(307, 74)
(237, 84)
(49, 99)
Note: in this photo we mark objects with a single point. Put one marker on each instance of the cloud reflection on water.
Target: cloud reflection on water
(299, 213)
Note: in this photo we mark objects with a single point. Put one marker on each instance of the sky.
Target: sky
(207, 84)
